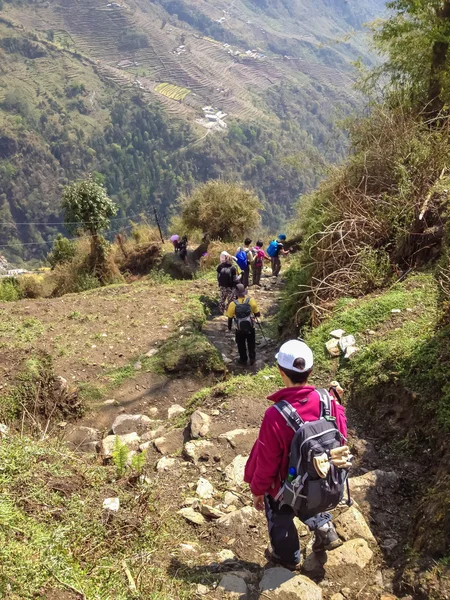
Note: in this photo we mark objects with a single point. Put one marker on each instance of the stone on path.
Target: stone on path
(205, 490)
(192, 516)
(129, 423)
(174, 411)
(233, 586)
(351, 524)
(165, 464)
(211, 512)
(332, 347)
(337, 596)
(239, 519)
(281, 584)
(373, 484)
(131, 441)
(199, 450)
(337, 333)
(84, 439)
(240, 437)
(341, 564)
(200, 424)
(231, 499)
(235, 471)
(170, 442)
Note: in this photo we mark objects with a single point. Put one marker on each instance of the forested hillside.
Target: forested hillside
(118, 89)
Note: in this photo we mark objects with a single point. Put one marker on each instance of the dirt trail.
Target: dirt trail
(220, 540)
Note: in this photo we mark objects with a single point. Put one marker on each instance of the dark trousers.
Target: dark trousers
(276, 265)
(245, 276)
(257, 270)
(246, 340)
(282, 531)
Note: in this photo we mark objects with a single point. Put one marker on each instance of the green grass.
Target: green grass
(18, 333)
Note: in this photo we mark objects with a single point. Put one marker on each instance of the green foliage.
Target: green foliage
(87, 207)
(225, 211)
(138, 461)
(131, 40)
(9, 290)
(63, 251)
(193, 352)
(120, 456)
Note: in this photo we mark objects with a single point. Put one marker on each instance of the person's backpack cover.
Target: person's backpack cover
(241, 259)
(309, 492)
(243, 316)
(272, 248)
(259, 256)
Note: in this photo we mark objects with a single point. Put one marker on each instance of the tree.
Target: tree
(416, 41)
(225, 211)
(87, 208)
(63, 251)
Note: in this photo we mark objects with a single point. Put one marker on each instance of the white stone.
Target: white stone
(239, 519)
(202, 590)
(346, 341)
(131, 441)
(341, 562)
(170, 443)
(151, 352)
(204, 489)
(165, 464)
(337, 333)
(232, 437)
(187, 548)
(130, 423)
(396, 311)
(152, 412)
(211, 512)
(192, 516)
(231, 499)
(200, 424)
(235, 471)
(174, 411)
(200, 449)
(281, 584)
(350, 351)
(233, 586)
(225, 555)
(111, 504)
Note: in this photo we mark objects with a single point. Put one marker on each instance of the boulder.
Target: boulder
(374, 484)
(239, 519)
(200, 424)
(240, 438)
(337, 333)
(351, 524)
(192, 516)
(204, 489)
(199, 450)
(165, 464)
(169, 443)
(341, 564)
(345, 342)
(235, 471)
(151, 435)
(174, 411)
(130, 423)
(210, 511)
(84, 439)
(332, 347)
(233, 587)
(131, 441)
(282, 584)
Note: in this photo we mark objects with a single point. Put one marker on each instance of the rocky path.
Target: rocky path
(196, 463)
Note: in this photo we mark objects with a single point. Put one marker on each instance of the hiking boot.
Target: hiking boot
(326, 538)
(273, 558)
(252, 361)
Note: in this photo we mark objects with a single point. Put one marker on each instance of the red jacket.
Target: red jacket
(268, 463)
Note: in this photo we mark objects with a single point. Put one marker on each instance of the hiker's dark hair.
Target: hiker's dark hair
(295, 377)
(247, 241)
(260, 244)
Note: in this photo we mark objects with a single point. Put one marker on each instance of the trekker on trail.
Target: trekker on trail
(259, 257)
(182, 248)
(227, 278)
(275, 249)
(244, 258)
(285, 491)
(175, 241)
(244, 311)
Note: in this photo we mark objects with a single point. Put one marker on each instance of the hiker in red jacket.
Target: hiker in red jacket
(267, 466)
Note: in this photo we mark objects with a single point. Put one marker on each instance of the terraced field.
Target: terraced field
(172, 91)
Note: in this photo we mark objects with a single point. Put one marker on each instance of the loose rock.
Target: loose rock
(337, 333)
(211, 512)
(131, 441)
(239, 437)
(281, 584)
(130, 423)
(200, 424)
(346, 341)
(171, 442)
(235, 471)
(231, 499)
(174, 411)
(332, 347)
(202, 590)
(84, 439)
(340, 564)
(233, 586)
(239, 519)
(192, 516)
(204, 489)
(351, 524)
(199, 450)
(165, 464)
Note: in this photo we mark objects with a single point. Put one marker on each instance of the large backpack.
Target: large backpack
(259, 256)
(243, 316)
(241, 259)
(305, 490)
(272, 248)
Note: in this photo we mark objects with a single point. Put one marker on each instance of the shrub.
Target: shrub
(9, 291)
(31, 286)
(225, 211)
(63, 251)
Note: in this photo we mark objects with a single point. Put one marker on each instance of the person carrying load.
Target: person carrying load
(244, 311)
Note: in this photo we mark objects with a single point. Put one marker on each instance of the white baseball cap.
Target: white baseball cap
(291, 351)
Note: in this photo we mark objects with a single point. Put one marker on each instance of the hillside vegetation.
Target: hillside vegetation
(84, 90)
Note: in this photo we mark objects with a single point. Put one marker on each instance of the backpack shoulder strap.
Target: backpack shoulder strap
(325, 402)
(290, 415)
(247, 301)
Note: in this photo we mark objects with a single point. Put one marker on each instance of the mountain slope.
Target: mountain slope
(119, 89)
